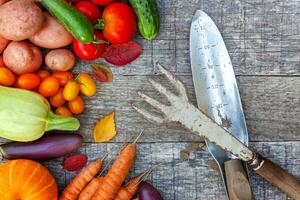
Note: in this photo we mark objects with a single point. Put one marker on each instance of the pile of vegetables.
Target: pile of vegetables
(40, 41)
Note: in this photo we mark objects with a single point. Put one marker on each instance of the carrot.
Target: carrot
(116, 175)
(89, 190)
(81, 180)
(129, 190)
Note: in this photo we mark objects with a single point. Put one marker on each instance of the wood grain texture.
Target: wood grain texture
(271, 106)
(191, 179)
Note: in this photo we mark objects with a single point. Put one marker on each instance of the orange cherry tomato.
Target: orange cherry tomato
(63, 111)
(71, 90)
(49, 86)
(76, 105)
(1, 62)
(43, 74)
(7, 77)
(28, 81)
(57, 100)
(87, 84)
(63, 77)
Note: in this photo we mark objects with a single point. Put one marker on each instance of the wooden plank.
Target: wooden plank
(262, 36)
(192, 178)
(271, 105)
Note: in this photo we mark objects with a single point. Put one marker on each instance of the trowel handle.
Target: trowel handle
(276, 175)
(238, 185)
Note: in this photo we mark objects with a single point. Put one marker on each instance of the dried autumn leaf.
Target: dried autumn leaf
(105, 128)
(102, 73)
(122, 54)
(75, 162)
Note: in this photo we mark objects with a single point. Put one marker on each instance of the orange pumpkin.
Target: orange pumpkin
(26, 180)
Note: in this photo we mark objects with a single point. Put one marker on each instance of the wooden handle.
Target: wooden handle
(237, 182)
(277, 176)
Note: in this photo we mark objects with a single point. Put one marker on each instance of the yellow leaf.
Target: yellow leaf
(105, 128)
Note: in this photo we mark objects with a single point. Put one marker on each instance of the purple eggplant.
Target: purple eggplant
(48, 147)
(148, 192)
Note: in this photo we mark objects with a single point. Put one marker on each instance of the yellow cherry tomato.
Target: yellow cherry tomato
(62, 110)
(71, 90)
(76, 105)
(87, 84)
(57, 100)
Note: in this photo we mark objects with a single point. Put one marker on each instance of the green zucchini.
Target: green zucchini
(77, 24)
(148, 17)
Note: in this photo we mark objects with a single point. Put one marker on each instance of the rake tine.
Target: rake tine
(149, 116)
(151, 101)
(177, 83)
(162, 89)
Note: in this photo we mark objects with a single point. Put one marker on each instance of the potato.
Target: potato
(3, 43)
(22, 57)
(60, 60)
(52, 35)
(20, 19)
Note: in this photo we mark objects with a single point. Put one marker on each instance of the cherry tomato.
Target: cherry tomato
(90, 51)
(76, 105)
(63, 77)
(57, 100)
(29, 81)
(43, 74)
(63, 111)
(49, 86)
(120, 23)
(102, 2)
(1, 62)
(7, 77)
(71, 90)
(90, 10)
(87, 84)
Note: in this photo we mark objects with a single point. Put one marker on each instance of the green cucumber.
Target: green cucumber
(148, 17)
(76, 23)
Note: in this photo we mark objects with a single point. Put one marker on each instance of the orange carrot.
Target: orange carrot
(114, 178)
(129, 190)
(81, 180)
(91, 188)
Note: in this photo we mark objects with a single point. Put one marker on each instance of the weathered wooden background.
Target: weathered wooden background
(263, 38)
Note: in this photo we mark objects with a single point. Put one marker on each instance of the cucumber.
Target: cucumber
(74, 21)
(148, 17)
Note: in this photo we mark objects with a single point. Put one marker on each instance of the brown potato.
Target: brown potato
(60, 60)
(20, 19)
(3, 43)
(22, 57)
(52, 35)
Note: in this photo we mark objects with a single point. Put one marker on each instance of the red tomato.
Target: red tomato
(29, 81)
(90, 10)
(120, 23)
(90, 51)
(102, 2)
